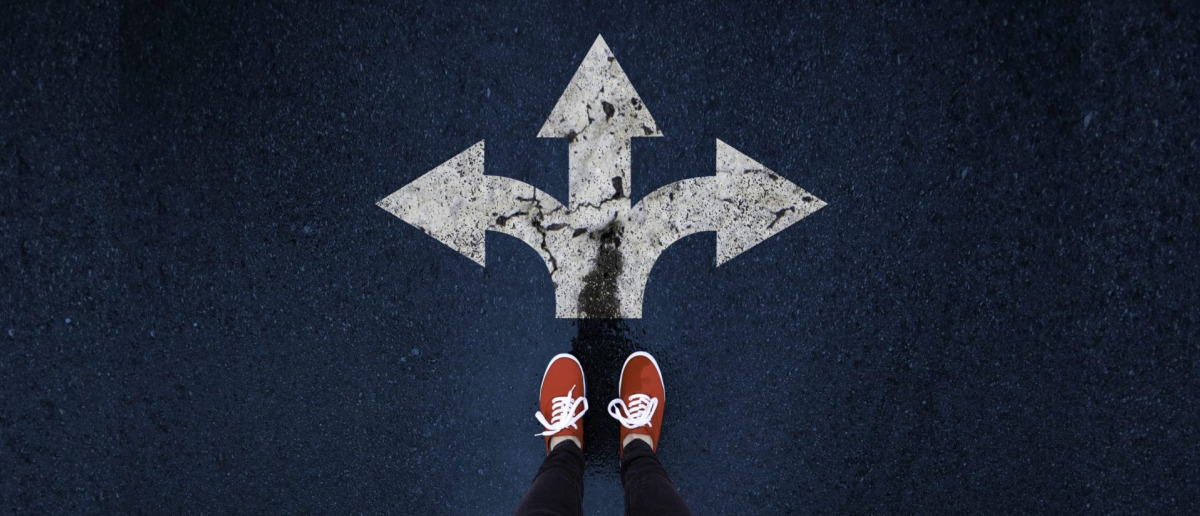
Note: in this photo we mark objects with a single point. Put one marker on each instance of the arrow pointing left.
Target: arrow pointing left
(456, 204)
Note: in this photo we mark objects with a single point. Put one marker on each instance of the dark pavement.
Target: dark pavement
(202, 311)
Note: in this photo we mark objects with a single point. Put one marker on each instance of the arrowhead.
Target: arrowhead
(447, 204)
(599, 98)
(759, 202)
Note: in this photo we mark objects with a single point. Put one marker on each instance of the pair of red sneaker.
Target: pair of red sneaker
(639, 408)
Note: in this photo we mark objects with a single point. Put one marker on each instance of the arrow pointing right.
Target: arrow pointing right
(759, 203)
(745, 203)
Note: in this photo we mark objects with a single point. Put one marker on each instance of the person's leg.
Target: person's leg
(558, 487)
(639, 409)
(648, 489)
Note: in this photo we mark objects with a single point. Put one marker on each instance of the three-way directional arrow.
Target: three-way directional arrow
(600, 250)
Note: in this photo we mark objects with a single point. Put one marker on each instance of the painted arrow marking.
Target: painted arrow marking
(600, 250)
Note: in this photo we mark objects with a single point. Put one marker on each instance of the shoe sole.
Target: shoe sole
(621, 381)
(581, 373)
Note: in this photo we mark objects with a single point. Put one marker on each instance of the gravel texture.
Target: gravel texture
(203, 311)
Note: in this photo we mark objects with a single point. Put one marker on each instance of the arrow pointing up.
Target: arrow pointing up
(598, 113)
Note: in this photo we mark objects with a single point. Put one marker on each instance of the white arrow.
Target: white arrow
(600, 251)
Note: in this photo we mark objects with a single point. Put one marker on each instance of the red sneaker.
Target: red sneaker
(561, 382)
(643, 397)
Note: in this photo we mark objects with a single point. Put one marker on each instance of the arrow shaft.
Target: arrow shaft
(675, 211)
(600, 173)
(662, 218)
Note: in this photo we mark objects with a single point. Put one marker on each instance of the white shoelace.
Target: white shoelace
(638, 412)
(562, 413)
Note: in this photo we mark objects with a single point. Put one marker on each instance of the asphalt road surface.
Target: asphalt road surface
(203, 311)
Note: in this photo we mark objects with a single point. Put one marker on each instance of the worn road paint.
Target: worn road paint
(600, 250)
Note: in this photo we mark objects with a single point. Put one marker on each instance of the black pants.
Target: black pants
(557, 489)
